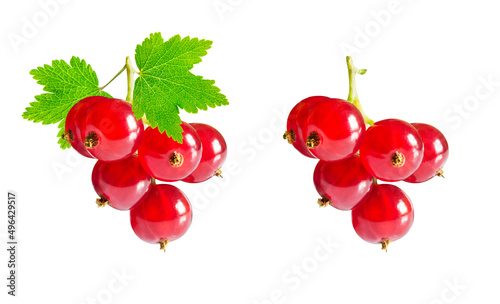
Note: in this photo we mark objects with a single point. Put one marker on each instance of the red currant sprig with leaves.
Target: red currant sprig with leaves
(141, 140)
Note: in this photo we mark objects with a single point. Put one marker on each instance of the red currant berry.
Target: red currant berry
(167, 160)
(296, 121)
(392, 150)
(385, 215)
(214, 153)
(111, 131)
(163, 216)
(342, 184)
(334, 129)
(435, 154)
(120, 184)
(74, 120)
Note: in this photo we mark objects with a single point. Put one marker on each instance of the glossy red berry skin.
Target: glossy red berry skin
(334, 129)
(435, 153)
(74, 120)
(167, 160)
(343, 183)
(214, 153)
(122, 184)
(392, 150)
(164, 215)
(114, 132)
(385, 215)
(296, 121)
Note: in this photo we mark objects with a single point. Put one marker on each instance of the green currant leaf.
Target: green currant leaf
(66, 84)
(61, 141)
(166, 85)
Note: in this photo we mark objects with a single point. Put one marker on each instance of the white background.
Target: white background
(257, 235)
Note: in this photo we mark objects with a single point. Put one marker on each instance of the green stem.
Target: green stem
(130, 78)
(353, 93)
(130, 84)
(118, 74)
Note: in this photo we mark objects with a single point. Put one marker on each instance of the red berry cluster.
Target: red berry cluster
(352, 159)
(131, 158)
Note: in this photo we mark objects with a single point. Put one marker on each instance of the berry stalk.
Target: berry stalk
(130, 78)
(353, 93)
(130, 84)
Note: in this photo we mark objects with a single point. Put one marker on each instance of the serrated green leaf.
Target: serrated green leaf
(155, 53)
(166, 85)
(61, 141)
(66, 84)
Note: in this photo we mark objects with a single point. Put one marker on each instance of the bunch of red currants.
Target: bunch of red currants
(352, 158)
(131, 158)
